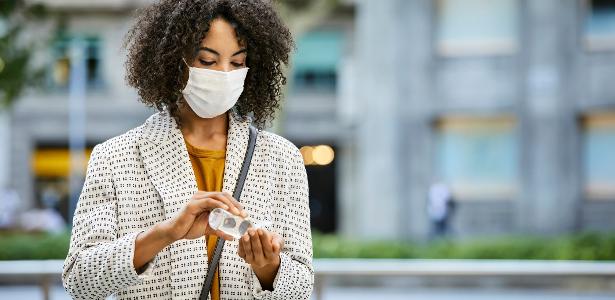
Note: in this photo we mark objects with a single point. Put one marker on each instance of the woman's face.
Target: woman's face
(221, 50)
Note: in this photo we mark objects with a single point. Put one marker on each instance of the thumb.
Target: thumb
(277, 243)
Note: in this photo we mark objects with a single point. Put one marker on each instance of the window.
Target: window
(598, 156)
(600, 24)
(316, 59)
(477, 157)
(62, 61)
(51, 166)
(476, 27)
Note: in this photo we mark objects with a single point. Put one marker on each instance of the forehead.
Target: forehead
(221, 37)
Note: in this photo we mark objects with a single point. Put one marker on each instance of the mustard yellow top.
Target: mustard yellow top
(208, 166)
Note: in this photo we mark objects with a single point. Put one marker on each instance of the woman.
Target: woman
(141, 228)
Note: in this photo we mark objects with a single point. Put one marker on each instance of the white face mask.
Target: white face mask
(211, 93)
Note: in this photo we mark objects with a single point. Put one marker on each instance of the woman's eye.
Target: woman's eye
(206, 63)
(237, 64)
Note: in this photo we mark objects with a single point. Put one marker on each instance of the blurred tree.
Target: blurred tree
(15, 51)
(15, 73)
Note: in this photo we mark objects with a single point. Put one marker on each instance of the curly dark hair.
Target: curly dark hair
(170, 30)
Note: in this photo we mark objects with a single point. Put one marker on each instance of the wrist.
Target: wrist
(163, 234)
(147, 245)
(266, 274)
(268, 268)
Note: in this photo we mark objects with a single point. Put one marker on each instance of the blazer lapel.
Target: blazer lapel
(167, 162)
(168, 166)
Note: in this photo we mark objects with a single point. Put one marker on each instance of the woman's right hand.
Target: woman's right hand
(190, 223)
(193, 220)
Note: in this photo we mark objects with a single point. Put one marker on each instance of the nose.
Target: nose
(223, 67)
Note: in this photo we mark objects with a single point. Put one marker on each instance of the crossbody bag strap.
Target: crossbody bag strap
(236, 194)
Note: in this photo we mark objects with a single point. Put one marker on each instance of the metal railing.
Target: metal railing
(45, 272)
(326, 269)
(41, 272)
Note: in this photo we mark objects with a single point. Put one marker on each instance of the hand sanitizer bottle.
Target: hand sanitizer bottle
(235, 226)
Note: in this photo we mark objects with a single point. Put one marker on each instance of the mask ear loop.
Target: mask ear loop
(184, 60)
(187, 65)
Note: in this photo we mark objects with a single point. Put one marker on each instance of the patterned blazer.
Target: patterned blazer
(144, 176)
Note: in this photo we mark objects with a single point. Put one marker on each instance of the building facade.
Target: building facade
(508, 102)
(40, 121)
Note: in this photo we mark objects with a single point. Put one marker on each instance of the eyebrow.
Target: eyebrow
(217, 53)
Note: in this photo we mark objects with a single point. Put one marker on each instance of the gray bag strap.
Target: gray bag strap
(213, 266)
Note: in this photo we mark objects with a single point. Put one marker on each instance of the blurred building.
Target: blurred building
(39, 149)
(313, 115)
(508, 102)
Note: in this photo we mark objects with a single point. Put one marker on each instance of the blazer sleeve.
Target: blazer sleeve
(295, 277)
(99, 262)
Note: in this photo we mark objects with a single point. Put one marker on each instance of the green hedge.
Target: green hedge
(583, 246)
(33, 246)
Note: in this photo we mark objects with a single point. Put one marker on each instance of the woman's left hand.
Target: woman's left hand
(261, 249)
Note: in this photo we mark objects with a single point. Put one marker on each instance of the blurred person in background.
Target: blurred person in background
(440, 208)
(45, 218)
(9, 207)
(141, 227)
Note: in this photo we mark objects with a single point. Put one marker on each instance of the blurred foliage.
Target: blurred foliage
(582, 246)
(15, 51)
(14, 246)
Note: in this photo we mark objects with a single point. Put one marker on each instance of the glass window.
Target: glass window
(316, 59)
(474, 27)
(478, 157)
(600, 24)
(598, 156)
(51, 167)
(60, 73)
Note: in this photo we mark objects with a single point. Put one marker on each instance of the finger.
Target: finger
(247, 246)
(266, 240)
(228, 199)
(201, 193)
(235, 201)
(257, 248)
(234, 206)
(240, 251)
(208, 204)
(232, 203)
(237, 204)
(223, 235)
(277, 243)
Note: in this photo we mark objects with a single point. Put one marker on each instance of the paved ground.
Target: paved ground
(459, 294)
(354, 293)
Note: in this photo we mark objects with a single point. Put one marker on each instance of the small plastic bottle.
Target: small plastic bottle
(236, 226)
